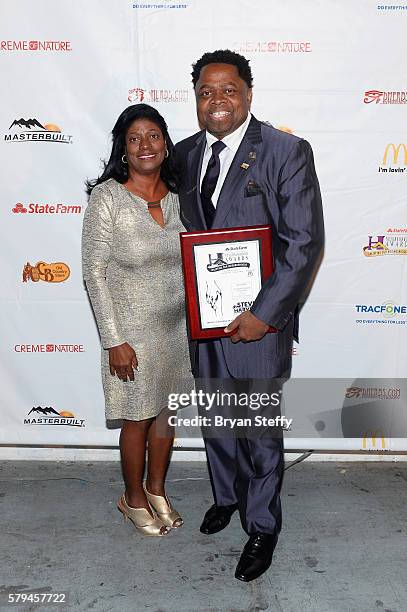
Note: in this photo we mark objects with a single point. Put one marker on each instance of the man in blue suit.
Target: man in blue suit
(238, 171)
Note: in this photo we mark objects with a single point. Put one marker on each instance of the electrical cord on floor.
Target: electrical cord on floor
(298, 460)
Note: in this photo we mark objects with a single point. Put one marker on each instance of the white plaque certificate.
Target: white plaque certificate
(228, 279)
(223, 272)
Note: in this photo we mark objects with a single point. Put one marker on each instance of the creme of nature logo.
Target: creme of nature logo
(394, 158)
(274, 46)
(23, 130)
(48, 272)
(49, 348)
(385, 97)
(49, 416)
(394, 242)
(46, 209)
(35, 45)
(139, 94)
(387, 313)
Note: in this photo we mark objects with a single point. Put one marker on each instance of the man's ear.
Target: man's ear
(250, 96)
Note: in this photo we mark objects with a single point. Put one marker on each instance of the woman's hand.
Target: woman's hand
(123, 361)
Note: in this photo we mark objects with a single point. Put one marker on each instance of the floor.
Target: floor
(343, 546)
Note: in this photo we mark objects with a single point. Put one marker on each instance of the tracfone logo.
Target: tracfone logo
(35, 45)
(392, 7)
(164, 4)
(389, 312)
(392, 243)
(49, 348)
(385, 97)
(139, 94)
(46, 209)
(49, 416)
(274, 46)
(48, 272)
(23, 130)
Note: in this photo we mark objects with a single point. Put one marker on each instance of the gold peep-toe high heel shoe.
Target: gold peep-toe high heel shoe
(141, 518)
(165, 512)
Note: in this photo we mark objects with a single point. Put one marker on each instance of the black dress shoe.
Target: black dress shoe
(217, 518)
(256, 556)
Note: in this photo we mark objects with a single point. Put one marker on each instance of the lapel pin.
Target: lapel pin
(252, 155)
(244, 166)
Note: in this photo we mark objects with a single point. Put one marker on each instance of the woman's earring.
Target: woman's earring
(124, 158)
(166, 152)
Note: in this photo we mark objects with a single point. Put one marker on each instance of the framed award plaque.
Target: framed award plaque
(224, 270)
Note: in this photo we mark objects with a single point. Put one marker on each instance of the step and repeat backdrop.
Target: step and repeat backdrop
(331, 72)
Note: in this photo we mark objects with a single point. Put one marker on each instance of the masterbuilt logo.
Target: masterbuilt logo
(154, 96)
(44, 208)
(385, 97)
(32, 130)
(394, 159)
(49, 416)
(39, 46)
(57, 272)
(387, 313)
(393, 242)
(272, 46)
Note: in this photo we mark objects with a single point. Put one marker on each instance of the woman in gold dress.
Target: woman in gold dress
(132, 269)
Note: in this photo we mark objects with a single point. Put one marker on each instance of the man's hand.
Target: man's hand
(122, 360)
(247, 327)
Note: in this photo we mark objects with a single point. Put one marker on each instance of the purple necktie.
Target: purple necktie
(209, 182)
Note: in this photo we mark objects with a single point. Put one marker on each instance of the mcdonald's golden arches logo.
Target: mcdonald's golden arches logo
(374, 436)
(396, 153)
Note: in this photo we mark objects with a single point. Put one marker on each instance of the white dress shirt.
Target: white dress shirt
(232, 142)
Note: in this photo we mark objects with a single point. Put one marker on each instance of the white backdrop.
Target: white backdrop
(68, 70)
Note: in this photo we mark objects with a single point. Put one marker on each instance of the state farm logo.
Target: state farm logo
(138, 94)
(35, 45)
(49, 416)
(274, 46)
(49, 348)
(23, 130)
(46, 209)
(385, 97)
(48, 272)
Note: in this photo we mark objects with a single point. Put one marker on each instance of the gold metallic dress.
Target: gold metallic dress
(132, 269)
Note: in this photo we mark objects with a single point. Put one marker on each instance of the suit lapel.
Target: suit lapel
(238, 175)
(194, 165)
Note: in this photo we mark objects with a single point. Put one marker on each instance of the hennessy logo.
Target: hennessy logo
(396, 151)
(50, 273)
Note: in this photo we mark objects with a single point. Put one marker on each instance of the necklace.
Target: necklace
(155, 204)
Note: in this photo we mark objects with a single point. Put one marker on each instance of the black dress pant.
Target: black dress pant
(245, 466)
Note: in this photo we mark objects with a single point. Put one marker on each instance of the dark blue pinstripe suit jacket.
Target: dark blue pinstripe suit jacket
(283, 192)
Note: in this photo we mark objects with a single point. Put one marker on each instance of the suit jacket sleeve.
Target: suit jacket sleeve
(97, 247)
(300, 229)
